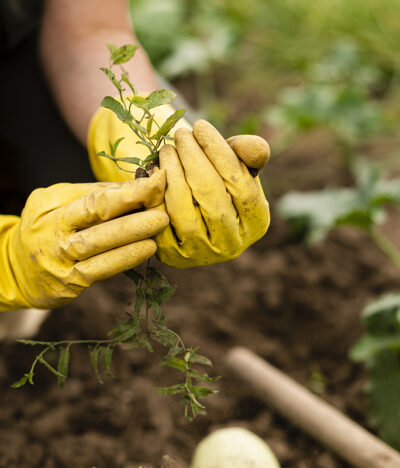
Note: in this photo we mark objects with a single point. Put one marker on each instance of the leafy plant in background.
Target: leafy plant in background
(379, 349)
(186, 37)
(274, 42)
(313, 215)
(146, 324)
(337, 97)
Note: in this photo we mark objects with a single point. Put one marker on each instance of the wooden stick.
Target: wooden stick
(316, 417)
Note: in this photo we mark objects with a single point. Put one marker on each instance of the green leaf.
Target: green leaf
(123, 54)
(369, 346)
(168, 124)
(163, 294)
(383, 392)
(313, 214)
(140, 299)
(160, 97)
(172, 390)
(106, 359)
(126, 333)
(177, 363)
(164, 335)
(135, 276)
(154, 277)
(111, 76)
(145, 343)
(62, 366)
(130, 160)
(201, 392)
(150, 124)
(145, 143)
(138, 127)
(199, 359)
(172, 352)
(23, 380)
(110, 103)
(151, 157)
(382, 316)
(202, 376)
(139, 102)
(113, 147)
(94, 353)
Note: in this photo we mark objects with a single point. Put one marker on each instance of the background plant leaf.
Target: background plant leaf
(383, 394)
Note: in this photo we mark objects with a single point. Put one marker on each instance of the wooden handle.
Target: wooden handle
(316, 417)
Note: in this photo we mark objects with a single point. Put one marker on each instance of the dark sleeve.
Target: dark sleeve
(18, 18)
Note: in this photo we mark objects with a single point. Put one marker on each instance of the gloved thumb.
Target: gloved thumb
(251, 149)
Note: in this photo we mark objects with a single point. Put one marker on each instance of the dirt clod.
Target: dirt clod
(141, 173)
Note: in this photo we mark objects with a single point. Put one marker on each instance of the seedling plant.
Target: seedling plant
(145, 325)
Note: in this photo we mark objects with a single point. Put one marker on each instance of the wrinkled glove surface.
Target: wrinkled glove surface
(105, 127)
(71, 235)
(216, 208)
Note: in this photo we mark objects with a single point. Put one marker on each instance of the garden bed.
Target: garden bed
(297, 307)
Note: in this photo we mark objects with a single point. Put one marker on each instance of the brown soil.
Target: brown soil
(297, 307)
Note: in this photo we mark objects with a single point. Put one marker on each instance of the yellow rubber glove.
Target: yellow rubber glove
(216, 208)
(71, 235)
(105, 127)
(232, 213)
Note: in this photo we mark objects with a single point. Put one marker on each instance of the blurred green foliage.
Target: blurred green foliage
(184, 37)
(314, 214)
(332, 55)
(379, 348)
(337, 96)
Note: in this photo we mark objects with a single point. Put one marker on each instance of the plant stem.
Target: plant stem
(52, 344)
(386, 246)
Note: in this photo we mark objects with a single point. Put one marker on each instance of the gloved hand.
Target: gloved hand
(71, 235)
(216, 208)
(105, 127)
(230, 211)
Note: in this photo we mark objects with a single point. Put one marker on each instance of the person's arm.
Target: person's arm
(74, 36)
(230, 212)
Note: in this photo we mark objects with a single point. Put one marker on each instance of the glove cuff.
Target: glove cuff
(105, 127)
(11, 297)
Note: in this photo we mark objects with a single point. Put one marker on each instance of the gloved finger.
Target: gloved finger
(115, 233)
(115, 261)
(59, 195)
(184, 215)
(218, 151)
(106, 204)
(246, 191)
(207, 187)
(251, 149)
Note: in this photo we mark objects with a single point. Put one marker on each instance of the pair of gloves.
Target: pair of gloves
(201, 207)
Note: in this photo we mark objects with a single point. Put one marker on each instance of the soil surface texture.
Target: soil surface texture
(298, 307)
